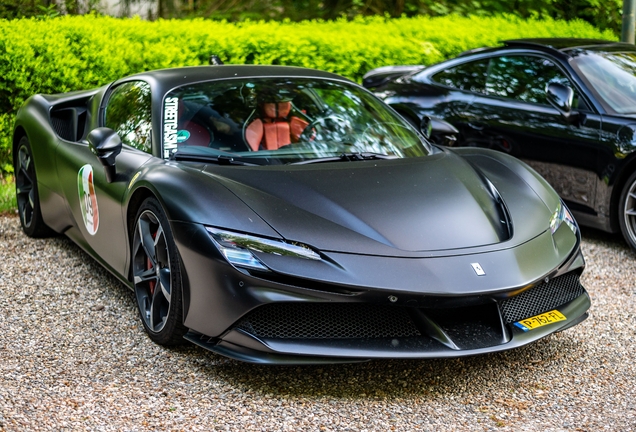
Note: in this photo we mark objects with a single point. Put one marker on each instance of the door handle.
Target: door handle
(476, 125)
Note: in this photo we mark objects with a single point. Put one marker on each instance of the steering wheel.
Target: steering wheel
(327, 124)
(376, 132)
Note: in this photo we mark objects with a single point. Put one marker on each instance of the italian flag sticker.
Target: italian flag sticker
(87, 199)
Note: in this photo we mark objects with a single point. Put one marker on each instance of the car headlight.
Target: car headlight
(237, 248)
(560, 215)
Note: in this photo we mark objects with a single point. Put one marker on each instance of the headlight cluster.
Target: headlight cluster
(560, 215)
(237, 248)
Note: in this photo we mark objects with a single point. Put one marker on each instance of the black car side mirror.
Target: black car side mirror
(438, 131)
(561, 97)
(106, 145)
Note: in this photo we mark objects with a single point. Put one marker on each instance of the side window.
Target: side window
(468, 76)
(525, 79)
(128, 113)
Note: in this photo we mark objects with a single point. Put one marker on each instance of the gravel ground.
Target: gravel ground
(73, 356)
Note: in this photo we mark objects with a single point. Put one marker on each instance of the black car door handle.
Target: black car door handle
(476, 125)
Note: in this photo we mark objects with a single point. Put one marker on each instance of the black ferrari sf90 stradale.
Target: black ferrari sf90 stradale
(286, 215)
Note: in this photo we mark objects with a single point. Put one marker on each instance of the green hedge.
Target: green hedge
(81, 52)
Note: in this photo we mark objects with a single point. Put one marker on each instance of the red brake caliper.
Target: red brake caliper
(151, 284)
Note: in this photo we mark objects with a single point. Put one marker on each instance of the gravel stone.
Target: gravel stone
(74, 356)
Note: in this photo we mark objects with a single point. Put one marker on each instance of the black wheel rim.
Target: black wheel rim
(25, 186)
(151, 271)
(629, 212)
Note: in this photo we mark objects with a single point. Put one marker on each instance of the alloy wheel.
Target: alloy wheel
(24, 184)
(151, 271)
(629, 214)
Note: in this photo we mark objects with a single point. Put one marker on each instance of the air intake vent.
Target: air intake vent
(69, 123)
(542, 298)
(328, 321)
(62, 122)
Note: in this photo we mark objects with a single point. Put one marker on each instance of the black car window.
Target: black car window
(128, 113)
(525, 78)
(467, 76)
(612, 76)
(271, 121)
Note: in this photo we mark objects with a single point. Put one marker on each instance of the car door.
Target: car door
(514, 116)
(96, 204)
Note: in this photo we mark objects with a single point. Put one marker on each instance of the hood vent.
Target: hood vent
(504, 215)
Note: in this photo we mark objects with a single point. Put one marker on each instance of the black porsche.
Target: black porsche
(286, 215)
(567, 107)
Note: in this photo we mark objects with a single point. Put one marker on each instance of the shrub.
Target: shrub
(80, 52)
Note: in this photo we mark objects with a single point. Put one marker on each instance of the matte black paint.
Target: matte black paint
(407, 228)
(596, 147)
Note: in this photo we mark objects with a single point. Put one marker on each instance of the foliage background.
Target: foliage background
(66, 53)
(603, 14)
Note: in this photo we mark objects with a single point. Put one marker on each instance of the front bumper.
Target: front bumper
(283, 319)
(471, 334)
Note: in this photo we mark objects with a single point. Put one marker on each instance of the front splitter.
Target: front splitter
(306, 352)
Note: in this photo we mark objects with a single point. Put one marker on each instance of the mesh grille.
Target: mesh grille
(542, 298)
(62, 127)
(328, 321)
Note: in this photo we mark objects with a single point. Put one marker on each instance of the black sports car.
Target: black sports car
(567, 107)
(286, 215)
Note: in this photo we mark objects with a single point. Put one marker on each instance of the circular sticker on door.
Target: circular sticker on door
(88, 199)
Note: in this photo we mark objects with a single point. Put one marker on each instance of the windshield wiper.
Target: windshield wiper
(220, 159)
(347, 157)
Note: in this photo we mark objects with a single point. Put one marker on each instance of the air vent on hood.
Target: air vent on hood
(504, 216)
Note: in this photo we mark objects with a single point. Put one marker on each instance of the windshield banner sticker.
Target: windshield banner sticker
(88, 199)
(170, 117)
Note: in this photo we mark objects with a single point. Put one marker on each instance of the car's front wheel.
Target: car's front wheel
(627, 211)
(156, 275)
(26, 191)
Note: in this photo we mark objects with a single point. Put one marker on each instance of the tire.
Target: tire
(627, 211)
(26, 192)
(156, 275)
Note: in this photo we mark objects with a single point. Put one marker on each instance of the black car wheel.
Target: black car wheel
(627, 211)
(26, 191)
(156, 275)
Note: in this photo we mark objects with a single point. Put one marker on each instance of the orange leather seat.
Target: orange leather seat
(274, 131)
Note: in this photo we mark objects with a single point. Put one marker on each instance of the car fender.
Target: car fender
(33, 121)
(189, 195)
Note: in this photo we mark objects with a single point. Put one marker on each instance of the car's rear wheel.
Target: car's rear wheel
(156, 275)
(627, 211)
(26, 191)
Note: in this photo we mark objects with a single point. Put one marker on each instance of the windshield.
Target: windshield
(272, 121)
(612, 75)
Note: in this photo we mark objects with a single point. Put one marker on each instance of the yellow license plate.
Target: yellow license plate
(540, 320)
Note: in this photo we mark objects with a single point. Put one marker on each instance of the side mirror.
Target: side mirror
(106, 145)
(439, 131)
(560, 96)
